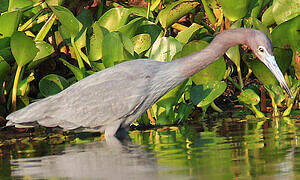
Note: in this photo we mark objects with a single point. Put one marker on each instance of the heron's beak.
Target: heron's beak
(270, 62)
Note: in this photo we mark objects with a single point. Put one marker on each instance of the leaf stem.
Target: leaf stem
(215, 107)
(78, 57)
(15, 88)
(240, 77)
(45, 29)
(211, 17)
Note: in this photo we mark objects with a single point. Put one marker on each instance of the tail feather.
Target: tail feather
(31, 113)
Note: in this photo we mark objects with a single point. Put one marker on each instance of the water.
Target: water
(215, 149)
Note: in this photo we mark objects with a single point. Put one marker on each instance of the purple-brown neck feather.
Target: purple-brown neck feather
(193, 63)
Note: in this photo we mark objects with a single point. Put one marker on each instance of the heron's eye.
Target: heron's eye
(261, 49)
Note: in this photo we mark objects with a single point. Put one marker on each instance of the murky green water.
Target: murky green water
(215, 149)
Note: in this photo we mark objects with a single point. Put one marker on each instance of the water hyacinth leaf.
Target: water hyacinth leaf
(68, 20)
(141, 42)
(284, 10)
(249, 97)
(52, 84)
(257, 6)
(4, 69)
(149, 28)
(283, 58)
(213, 72)
(95, 43)
(275, 92)
(76, 71)
(54, 2)
(171, 98)
(112, 49)
(127, 44)
(297, 65)
(23, 86)
(204, 94)
(23, 48)
(185, 35)
(139, 11)
(262, 73)
(267, 18)
(130, 28)
(253, 23)
(97, 66)
(114, 18)
(9, 22)
(45, 50)
(174, 11)
(287, 34)
(85, 18)
(165, 48)
(3, 8)
(235, 10)
(16, 4)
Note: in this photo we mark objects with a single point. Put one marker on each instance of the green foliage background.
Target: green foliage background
(47, 46)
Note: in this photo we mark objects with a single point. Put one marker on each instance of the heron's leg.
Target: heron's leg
(110, 132)
(111, 129)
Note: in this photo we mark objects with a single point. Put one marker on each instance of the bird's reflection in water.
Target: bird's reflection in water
(96, 160)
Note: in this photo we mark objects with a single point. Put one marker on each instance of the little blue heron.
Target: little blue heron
(113, 98)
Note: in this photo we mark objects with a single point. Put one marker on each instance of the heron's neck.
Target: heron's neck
(195, 62)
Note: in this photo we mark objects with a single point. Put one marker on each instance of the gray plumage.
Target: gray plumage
(115, 97)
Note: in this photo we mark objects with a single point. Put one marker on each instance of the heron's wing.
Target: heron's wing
(97, 101)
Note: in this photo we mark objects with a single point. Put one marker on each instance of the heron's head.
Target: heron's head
(262, 47)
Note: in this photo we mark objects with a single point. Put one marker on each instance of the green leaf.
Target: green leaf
(253, 23)
(3, 8)
(4, 70)
(17, 4)
(76, 71)
(86, 18)
(149, 28)
(284, 10)
(23, 48)
(257, 6)
(287, 34)
(283, 58)
(9, 23)
(249, 97)
(139, 11)
(54, 2)
(187, 34)
(141, 42)
(171, 98)
(165, 48)
(68, 20)
(204, 94)
(114, 18)
(130, 29)
(267, 18)
(275, 92)
(213, 72)
(23, 86)
(95, 43)
(174, 11)
(127, 43)
(112, 49)
(52, 84)
(45, 50)
(262, 73)
(235, 10)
